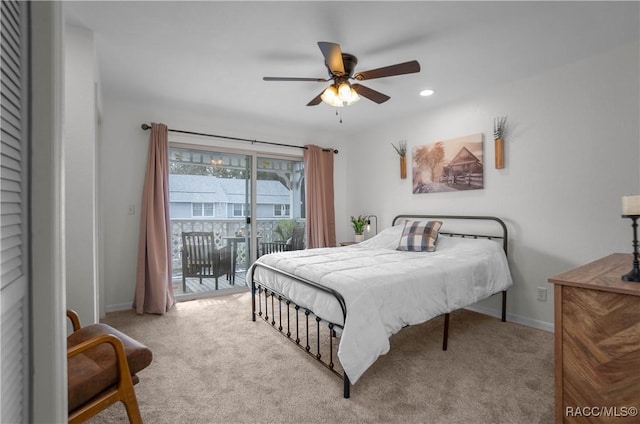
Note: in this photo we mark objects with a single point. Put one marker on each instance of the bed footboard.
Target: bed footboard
(299, 324)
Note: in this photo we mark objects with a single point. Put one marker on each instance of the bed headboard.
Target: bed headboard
(493, 232)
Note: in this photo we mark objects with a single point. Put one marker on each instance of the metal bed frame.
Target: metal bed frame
(283, 314)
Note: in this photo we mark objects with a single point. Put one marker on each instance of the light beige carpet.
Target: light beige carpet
(212, 364)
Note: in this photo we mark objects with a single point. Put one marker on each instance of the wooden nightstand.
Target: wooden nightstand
(597, 342)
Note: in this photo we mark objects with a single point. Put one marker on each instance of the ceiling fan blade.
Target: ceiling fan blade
(332, 57)
(389, 71)
(370, 94)
(316, 100)
(293, 79)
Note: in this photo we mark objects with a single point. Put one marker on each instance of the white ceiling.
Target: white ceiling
(214, 54)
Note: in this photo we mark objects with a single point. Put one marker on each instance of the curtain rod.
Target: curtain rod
(147, 127)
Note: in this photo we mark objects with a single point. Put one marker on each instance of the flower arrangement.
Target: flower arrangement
(358, 224)
(499, 124)
(401, 148)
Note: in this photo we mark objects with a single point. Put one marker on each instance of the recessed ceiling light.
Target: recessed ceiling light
(425, 93)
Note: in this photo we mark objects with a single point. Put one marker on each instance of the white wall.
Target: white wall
(123, 158)
(80, 150)
(572, 146)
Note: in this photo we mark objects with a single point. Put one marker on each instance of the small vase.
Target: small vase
(499, 150)
(358, 238)
(403, 167)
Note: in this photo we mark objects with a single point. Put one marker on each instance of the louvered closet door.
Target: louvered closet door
(14, 231)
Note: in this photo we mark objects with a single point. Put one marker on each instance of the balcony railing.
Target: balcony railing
(221, 228)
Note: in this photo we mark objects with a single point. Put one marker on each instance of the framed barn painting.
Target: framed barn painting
(448, 165)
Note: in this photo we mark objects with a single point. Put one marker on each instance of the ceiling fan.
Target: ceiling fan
(341, 68)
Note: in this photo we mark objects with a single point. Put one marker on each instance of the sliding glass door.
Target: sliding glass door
(210, 191)
(280, 203)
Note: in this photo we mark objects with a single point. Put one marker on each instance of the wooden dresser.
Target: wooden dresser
(597, 343)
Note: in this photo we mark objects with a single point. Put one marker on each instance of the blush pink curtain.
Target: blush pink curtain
(154, 291)
(321, 219)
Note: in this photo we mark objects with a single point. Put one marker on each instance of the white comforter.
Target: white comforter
(385, 289)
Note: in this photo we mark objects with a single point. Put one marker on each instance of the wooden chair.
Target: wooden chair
(273, 247)
(102, 364)
(202, 259)
(297, 239)
(295, 243)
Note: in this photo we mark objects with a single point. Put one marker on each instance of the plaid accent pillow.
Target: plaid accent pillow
(420, 236)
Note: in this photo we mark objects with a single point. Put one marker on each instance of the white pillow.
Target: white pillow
(385, 239)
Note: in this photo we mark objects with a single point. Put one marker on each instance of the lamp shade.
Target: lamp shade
(344, 92)
(631, 205)
(330, 97)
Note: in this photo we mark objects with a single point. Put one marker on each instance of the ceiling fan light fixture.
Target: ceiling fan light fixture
(354, 97)
(347, 94)
(330, 97)
(344, 92)
(343, 95)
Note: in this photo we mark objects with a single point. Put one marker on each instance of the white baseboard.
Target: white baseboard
(529, 322)
(542, 325)
(118, 307)
(225, 292)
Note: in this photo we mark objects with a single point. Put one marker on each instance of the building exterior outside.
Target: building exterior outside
(219, 205)
(204, 196)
